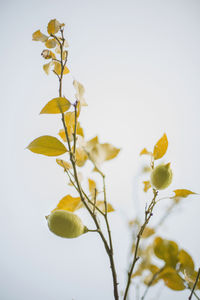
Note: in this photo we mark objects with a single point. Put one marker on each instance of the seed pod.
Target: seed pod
(65, 224)
(161, 177)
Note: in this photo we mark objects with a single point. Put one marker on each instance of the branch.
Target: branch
(148, 215)
(194, 286)
(151, 282)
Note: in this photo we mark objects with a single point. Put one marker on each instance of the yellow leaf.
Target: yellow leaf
(56, 106)
(183, 193)
(80, 156)
(161, 147)
(80, 130)
(79, 92)
(109, 150)
(47, 54)
(47, 67)
(47, 145)
(69, 203)
(38, 36)
(51, 43)
(148, 232)
(70, 124)
(101, 206)
(66, 165)
(147, 185)
(186, 262)
(57, 68)
(92, 187)
(145, 152)
(54, 26)
(190, 277)
(166, 250)
(171, 279)
(92, 143)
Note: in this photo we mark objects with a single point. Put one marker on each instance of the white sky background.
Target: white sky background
(139, 62)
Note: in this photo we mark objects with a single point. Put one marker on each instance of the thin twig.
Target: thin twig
(148, 215)
(108, 248)
(194, 286)
(151, 282)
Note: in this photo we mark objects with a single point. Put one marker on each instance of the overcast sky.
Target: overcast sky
(140, 65)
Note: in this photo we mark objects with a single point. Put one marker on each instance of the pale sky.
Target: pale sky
(140, 65)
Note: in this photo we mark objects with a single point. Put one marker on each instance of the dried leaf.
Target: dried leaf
(56, 106)
(47, 54)
(38, 36)
(69, 203)
(47, 145)
(183, 193)
(147, 185)
(51, 43)
(79, 92)
(161, 147)
(54, 26)
(47, 67)
(64, 164)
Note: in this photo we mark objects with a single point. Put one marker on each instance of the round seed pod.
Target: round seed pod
(65, 224)
(161, 177)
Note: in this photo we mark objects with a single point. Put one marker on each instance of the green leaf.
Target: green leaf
(47, 145)
(56, 106)
(166, 250)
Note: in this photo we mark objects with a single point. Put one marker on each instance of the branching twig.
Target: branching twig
(151, 282)
(194, 286)
(148, 215)
(77, 185)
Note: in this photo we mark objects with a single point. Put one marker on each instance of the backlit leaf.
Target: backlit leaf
(92, 187)
(161, 147)
(79, 92)
(171, 279)
(101, 206)
(186, 261)
(56, 106)
(80, 156)
(54, 26)
(38, 36)
(147, 185)
(64, 164)
(166, 250)
(57, 68)
(47, 67)
(51, 43)
(47, 145)
(183, 193)
(190, 277)
(69, 203)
